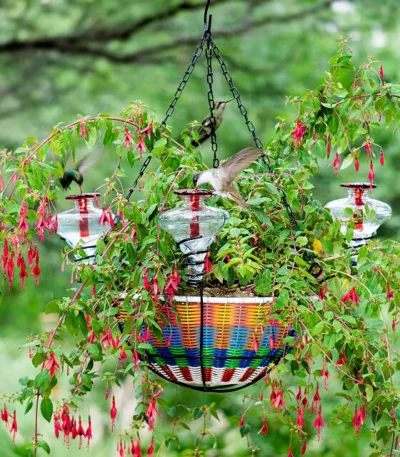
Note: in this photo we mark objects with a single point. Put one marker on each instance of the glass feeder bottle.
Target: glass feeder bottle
(80, 225)
(367, 214)
(194, 227)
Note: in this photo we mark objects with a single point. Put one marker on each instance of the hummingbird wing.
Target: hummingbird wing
(232, 193)
(86, 163)
(239, 162)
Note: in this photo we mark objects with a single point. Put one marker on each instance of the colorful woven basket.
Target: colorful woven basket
(231, 345)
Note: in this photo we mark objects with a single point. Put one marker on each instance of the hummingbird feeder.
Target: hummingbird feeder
(82, 225)
(365, 214)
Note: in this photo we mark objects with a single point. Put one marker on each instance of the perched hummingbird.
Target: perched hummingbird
(206, 128)
(75, 174)
(222, 178)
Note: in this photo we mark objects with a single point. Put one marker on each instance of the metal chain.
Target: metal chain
(211, 101)
(196, 56)
(252, 129)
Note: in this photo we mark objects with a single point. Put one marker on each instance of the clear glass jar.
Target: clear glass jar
(81, 225)
(358, 208)
(194, 226)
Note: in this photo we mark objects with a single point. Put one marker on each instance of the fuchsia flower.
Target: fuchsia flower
(4, 258)
(89, 434)
(389, 293)
(52, 365)
(264, 429)
(156, 290)
(351, 296)
(242, 421)
(121, 449)
(371, 174)
(5, 414)
(147, 130)
(208, 265)
(356, 163)
(83, 131)
(300, 419)
(298, 133)
(113, 413)
(151, 413)
(381, 73)
(22, 224)
(336, 164)
(22, 269)
(279, 402)
(369, 148)
(146, 283)
(316, 401)
(104, 217)
(355, 84)
(358, 419)
(14, 426)
(150, 449)
(173, 283)
(140, 145)
(304, 447)
(343, 359)
(128, 140)
(136, 450)
(81, 432)
(133, 236)
(57, 425)
(42, 223)
(10, 269)
(322, 292)
(319, 423)
(381, 158)
(325, 374)
(290, 453)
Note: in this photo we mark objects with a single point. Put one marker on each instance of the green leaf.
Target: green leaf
(52, 307)
(42, 379)
(347, 162)
(46, 408)
(244, 430)
(369, 392)
(28, 406)
(43, 445)
(302, 240)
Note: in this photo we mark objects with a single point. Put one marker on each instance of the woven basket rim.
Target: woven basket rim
(223, 300)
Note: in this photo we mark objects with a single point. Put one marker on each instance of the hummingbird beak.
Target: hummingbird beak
(230, 100)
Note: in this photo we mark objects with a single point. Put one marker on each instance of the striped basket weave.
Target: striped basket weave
(234, 346)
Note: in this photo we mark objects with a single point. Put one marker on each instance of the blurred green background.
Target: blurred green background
(61, 58)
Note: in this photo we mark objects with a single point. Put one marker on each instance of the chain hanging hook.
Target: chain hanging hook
(207, 18)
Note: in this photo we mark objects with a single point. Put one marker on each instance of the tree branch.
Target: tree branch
(72, 47)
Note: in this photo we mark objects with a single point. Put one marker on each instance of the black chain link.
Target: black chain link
(196, 56)
(211, 100)
(252, 129)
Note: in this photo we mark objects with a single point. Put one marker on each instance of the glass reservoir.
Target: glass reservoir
(367, 214)
(80, 225)
(194, 226)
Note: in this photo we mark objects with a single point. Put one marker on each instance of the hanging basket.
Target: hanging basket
(228, 345)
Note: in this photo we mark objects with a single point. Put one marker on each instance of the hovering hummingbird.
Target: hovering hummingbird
(222, 178)
(206, 127)
(75, 174)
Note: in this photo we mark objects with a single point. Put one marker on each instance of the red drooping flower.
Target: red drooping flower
(81, 432)
(290, 453)
(242, 421)
(151, 413)
(55, 223)
(113, 413)
(5, 414)
(363, 415)
(316, 401)
(298, 133)
(325, 374)
(322, 292)
(146, 283)
(10, 269)
(57, 425)
(128, 140)
(22, 224)
(356, 163)
(107, 394)
(173, 283)
(208, 265)
(328, 145)
(52, 365)
(133, 236)
(140, 145)
(264, 429)
(369, 148)
(108, 340)
(356, 421)
(371, 174)
(120, 449)
(300, 419)
(336, 164)
(381, 73)
(4, 258)
(355, 84)
(279, 402)
(122, 355)
(343, 359)
(299, 395)
(382, 158)
(136, 449)
(389, 292)
(104, 216)
(14, 426)
(83, 131)
(150, 449)
(156, 290)
(351, 296)
(319, 423)
(22, 269)
(304, 447)
(147, 130)
(135, 357)
(42, 223)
